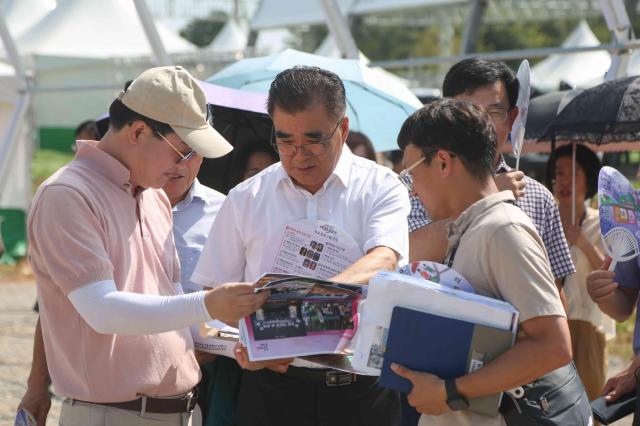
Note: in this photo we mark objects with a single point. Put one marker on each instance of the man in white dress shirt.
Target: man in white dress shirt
(318, 179)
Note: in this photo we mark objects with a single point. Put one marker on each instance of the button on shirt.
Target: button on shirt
(87, 225)
(192, 221)
(365, 199)
(539, 205)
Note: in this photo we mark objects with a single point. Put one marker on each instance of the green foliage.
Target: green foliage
(307, 38)
(46, 162)
(202, 31)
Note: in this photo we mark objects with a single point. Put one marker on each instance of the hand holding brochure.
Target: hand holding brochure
(302, 316)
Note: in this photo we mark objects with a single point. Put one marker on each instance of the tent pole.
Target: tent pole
(339, 29)
(162, 58)
(573, 186)
(10, 136)
(617, 19)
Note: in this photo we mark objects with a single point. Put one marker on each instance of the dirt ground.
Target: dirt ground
(17, 324)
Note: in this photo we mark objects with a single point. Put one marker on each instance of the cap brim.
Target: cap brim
(206, 141)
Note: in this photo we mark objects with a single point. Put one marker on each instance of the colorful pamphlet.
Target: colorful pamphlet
(302, 316)
(437, 273)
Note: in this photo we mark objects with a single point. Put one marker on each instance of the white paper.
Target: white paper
(311, 248)
(215, 337)
(390, 289)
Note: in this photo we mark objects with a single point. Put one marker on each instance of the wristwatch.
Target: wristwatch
(455, 400)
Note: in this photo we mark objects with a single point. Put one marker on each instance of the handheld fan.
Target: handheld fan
(621, 245)
(517, 130)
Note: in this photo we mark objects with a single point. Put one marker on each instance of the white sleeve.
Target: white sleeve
(223, 257)
(110, 311)
(386, 222)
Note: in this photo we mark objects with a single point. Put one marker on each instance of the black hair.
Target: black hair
(356, 139)
(586, 158)
(88, 126)
(471, 74)
(120, 115)
(396, 156)
(456, 126)
(296, 89)
(241, 157)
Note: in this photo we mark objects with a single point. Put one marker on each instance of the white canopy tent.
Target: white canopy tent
(97, 43)
(95, 29)
(285, 13)
(273, 40)
(232, 38)
(82, 43)
(575, 69)
(22, 15)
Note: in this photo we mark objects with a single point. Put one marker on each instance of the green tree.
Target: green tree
(202, 31)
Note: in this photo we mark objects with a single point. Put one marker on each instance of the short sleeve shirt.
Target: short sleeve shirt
(364, 199)
(539, 204)
(501, 254)
(87, 224)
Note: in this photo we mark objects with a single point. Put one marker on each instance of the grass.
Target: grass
(622, 344)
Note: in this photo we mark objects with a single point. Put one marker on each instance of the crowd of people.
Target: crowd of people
(129, 249)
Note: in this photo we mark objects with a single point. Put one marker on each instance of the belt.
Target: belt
(146, 404)
(330, 378)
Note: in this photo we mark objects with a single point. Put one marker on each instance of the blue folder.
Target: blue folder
(446, 347)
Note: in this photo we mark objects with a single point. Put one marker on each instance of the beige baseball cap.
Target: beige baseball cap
(172, 96)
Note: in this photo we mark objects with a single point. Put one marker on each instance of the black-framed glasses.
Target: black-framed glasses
(183, 157)
(310, 149)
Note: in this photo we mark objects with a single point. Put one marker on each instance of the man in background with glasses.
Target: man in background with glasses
(493, 86)
(113, 317)
(318, 179)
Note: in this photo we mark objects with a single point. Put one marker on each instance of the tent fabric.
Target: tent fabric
(232, 38)
(285, 13)
(95, 29)
(575, 69)
(273, 40)
(329, 48)
(22, 15)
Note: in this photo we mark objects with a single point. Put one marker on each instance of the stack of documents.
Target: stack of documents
(215, 337)
(302, 316)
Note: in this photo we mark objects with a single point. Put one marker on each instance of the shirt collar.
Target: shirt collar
(195, 192)
(475, 210)
(105, 164)
(342, 170)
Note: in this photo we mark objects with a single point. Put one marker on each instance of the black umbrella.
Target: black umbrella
(242, 129)
(543, 110)
(609, 112)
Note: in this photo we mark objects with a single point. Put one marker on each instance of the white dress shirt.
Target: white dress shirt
(192, 221)
(366, 200)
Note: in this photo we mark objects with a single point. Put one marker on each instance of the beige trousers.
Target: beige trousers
(82, 414)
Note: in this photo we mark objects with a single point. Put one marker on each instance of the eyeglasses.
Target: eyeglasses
(498, 115)
(183, 157)
(310, 149)
(405, 175)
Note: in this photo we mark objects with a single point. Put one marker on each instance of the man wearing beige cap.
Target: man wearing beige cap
(114, 319)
